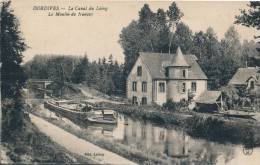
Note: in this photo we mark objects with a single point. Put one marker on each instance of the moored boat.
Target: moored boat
(103, 117)
(237, 114)
(81, 112)
(59, 108)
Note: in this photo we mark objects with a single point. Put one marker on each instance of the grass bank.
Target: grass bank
(31, 146)
(223, 130)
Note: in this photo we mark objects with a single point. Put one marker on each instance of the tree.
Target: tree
(12, 74)
(131, 42)
(182, 37)
(150, 33)
(199, 42)
(231, 44)
(174, 14)
(250, 18)
(161, 32)
(248, 52)
(80, 73)
(212, 44)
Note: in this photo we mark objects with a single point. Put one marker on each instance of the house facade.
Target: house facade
(156, 77)
(247, 79)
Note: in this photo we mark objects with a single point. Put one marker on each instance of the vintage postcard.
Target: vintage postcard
(130, 82)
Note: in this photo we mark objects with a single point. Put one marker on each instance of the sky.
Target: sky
(98, 35)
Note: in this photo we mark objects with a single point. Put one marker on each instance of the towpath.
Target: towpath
(77, 145)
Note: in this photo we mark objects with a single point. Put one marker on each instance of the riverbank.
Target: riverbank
(81, 147)
(200, 125)
(142, 156)
(147, 143)
(32, 146)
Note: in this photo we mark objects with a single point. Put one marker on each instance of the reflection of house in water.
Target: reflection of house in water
(118, 132)
(149, 137)
(176, 147)
(106, 130)
(138, 135)
(177, 144)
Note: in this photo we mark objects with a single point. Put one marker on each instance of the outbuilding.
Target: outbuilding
(209, 101)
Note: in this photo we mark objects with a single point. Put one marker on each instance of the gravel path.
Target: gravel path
(77, 145)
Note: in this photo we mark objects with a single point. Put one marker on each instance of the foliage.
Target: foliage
(80, 73)
(12, 74)
(250, 18)
(174, 106)
(230, 96)
(182, 37)
(174, 14)
(217, 129)
(150, 33)
(104, 75)
(219, 59)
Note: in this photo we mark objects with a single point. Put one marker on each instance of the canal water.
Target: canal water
(172, 143)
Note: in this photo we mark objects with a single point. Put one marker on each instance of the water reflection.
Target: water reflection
(176, 145)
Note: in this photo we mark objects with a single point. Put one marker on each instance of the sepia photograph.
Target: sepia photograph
(127, 82)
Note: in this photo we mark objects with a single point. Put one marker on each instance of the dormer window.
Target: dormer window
(184, 73)
(252, 84)
(139, 71)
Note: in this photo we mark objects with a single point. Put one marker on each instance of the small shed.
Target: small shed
(209, 101)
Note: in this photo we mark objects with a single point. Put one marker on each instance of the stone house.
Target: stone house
(156, 77)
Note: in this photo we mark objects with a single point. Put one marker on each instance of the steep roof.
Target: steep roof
(179, 59)
(242, 75)
(156, 63)
(208, 97)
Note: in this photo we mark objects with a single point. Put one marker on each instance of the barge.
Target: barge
(81, 112)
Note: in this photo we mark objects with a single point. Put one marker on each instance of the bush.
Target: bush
(174, 106)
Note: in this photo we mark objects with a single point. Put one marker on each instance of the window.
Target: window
(144, 101)
(184, 73)
(193, 86)
(144, 86)
(162, 87)
(134, 101)
(183, 87)
(139, 71)
(167, 72)
(161, 135)
(134, 87)
(252, 85)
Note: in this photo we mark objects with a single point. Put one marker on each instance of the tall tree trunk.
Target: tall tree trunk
(170, 41)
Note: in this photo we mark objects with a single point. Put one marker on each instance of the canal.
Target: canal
(172, 143)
